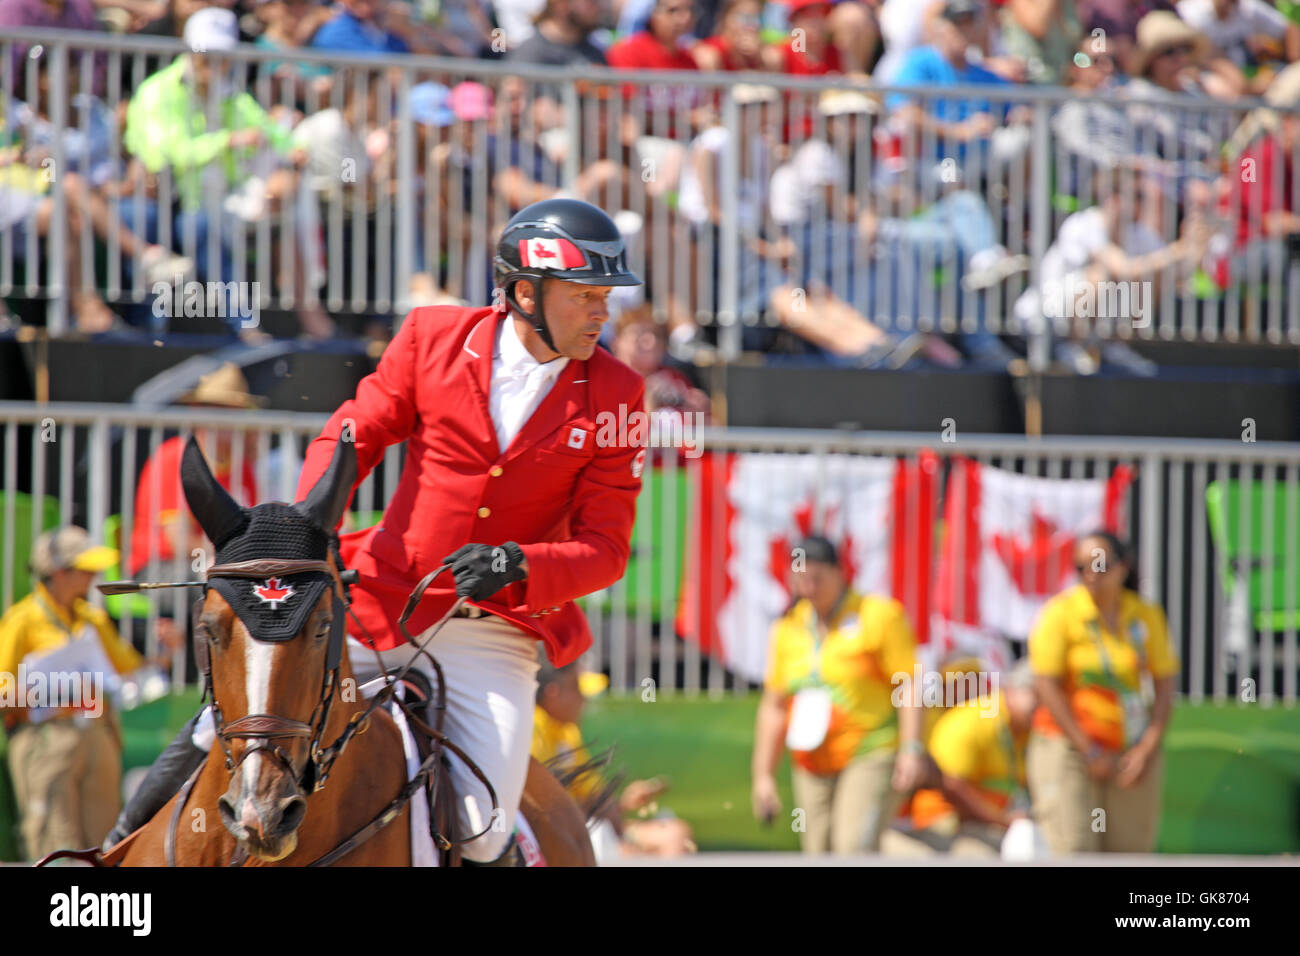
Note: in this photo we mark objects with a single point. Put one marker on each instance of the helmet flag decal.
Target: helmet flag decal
(548, 253)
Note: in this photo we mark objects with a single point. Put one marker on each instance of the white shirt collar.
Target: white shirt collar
(515, 359)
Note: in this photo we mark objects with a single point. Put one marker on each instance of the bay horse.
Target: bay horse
(260, 798)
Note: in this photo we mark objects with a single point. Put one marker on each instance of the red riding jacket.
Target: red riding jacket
(566, 498)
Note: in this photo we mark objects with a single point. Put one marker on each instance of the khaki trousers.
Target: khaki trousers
(846, 812)
(67, 775)
(1066, 802)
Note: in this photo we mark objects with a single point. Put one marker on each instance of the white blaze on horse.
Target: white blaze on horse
(303, 773)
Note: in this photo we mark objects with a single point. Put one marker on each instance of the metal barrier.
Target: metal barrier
(815, 205)
(1216, 526)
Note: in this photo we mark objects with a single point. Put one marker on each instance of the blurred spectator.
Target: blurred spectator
(516, 19)
(978, 748)
(1090, 130)
(1256, 193)
(1096, 744)
(809, 51)
(665, 43)
(90, 174)
(1117, 20)
(557, 743)
(945, 62)
(563, 35)
(1172, 57)
(738, 43)
(828, 696)
(1042, 33)
(164, 531)
(903, 27)
(642, 343)
(243, 160)
(359, 26)
(768, 285)
(47, 14)
(1108, 242)
(1249, 33)
(291, 25)
(65, 755)
(171, 20)
(469, 24)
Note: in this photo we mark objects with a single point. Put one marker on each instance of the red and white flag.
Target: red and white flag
(554, 253)
(753, 508)
(1008, 547)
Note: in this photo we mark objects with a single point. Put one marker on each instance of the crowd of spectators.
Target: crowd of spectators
(876, 227)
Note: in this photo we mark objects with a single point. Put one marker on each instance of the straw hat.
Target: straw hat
(839, 102)
(746, 93)
(224, 388)
(1160, 30)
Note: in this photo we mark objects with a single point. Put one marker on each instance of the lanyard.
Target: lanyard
(1094, 630)
(54, 618)
(814, 629)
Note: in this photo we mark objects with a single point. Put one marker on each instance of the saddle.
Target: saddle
(424, 715)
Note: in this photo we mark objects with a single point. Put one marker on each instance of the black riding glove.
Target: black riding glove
(482, 570)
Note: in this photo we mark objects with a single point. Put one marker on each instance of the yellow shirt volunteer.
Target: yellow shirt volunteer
(969, 745)
(551, 738)
(868, 642)
(37, 624)
(1100, 669)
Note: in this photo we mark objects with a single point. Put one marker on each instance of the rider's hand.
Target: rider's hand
(482, 570)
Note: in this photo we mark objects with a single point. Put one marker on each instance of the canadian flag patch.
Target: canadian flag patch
(550, 254)
(577, 437)
(272, 592)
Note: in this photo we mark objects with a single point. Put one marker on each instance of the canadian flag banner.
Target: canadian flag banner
(550, 254)
(752, 509)
(1009, 547)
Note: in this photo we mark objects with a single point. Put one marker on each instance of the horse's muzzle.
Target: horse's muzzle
(263, 808)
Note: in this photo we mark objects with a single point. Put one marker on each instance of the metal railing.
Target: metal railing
(776, 202)
(1203, 515)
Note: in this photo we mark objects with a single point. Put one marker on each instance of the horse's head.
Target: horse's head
(273, 637)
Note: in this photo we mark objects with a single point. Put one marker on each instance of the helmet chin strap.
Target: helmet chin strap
(537, 318)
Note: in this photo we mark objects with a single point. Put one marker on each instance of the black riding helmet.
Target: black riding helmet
(564, 239)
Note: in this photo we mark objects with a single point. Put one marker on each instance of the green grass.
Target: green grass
(1232, 773)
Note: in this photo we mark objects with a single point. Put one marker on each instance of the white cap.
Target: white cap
(212, 29)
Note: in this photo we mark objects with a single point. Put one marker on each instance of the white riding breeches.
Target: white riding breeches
(490, 668)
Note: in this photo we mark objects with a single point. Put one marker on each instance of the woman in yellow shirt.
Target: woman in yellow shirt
(834, 663)
(1094, 761)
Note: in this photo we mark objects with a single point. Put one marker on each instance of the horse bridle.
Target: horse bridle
(266, 728)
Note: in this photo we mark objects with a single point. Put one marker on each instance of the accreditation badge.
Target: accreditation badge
(1135, 716)
(810, 718)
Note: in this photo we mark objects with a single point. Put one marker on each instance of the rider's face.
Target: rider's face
(574, 312)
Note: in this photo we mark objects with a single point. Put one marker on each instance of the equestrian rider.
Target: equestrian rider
(504, 410)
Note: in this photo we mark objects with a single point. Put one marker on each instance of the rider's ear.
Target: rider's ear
(218, 514)
(328, 498)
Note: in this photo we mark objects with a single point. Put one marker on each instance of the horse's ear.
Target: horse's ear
(328, 498)
(218, 514)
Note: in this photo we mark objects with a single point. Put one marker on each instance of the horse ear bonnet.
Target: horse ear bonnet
(274, 609)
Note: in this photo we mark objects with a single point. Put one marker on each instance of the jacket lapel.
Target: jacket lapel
(562, 402)
(476, 366)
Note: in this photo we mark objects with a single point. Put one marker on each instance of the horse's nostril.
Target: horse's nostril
(292, 811)
(226, 807)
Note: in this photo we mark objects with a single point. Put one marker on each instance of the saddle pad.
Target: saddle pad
(423, 852)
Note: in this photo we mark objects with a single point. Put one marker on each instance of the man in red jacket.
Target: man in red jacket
(505, 413)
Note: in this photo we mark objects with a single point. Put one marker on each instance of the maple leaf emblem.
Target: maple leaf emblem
(541, 252)
(272, 592)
